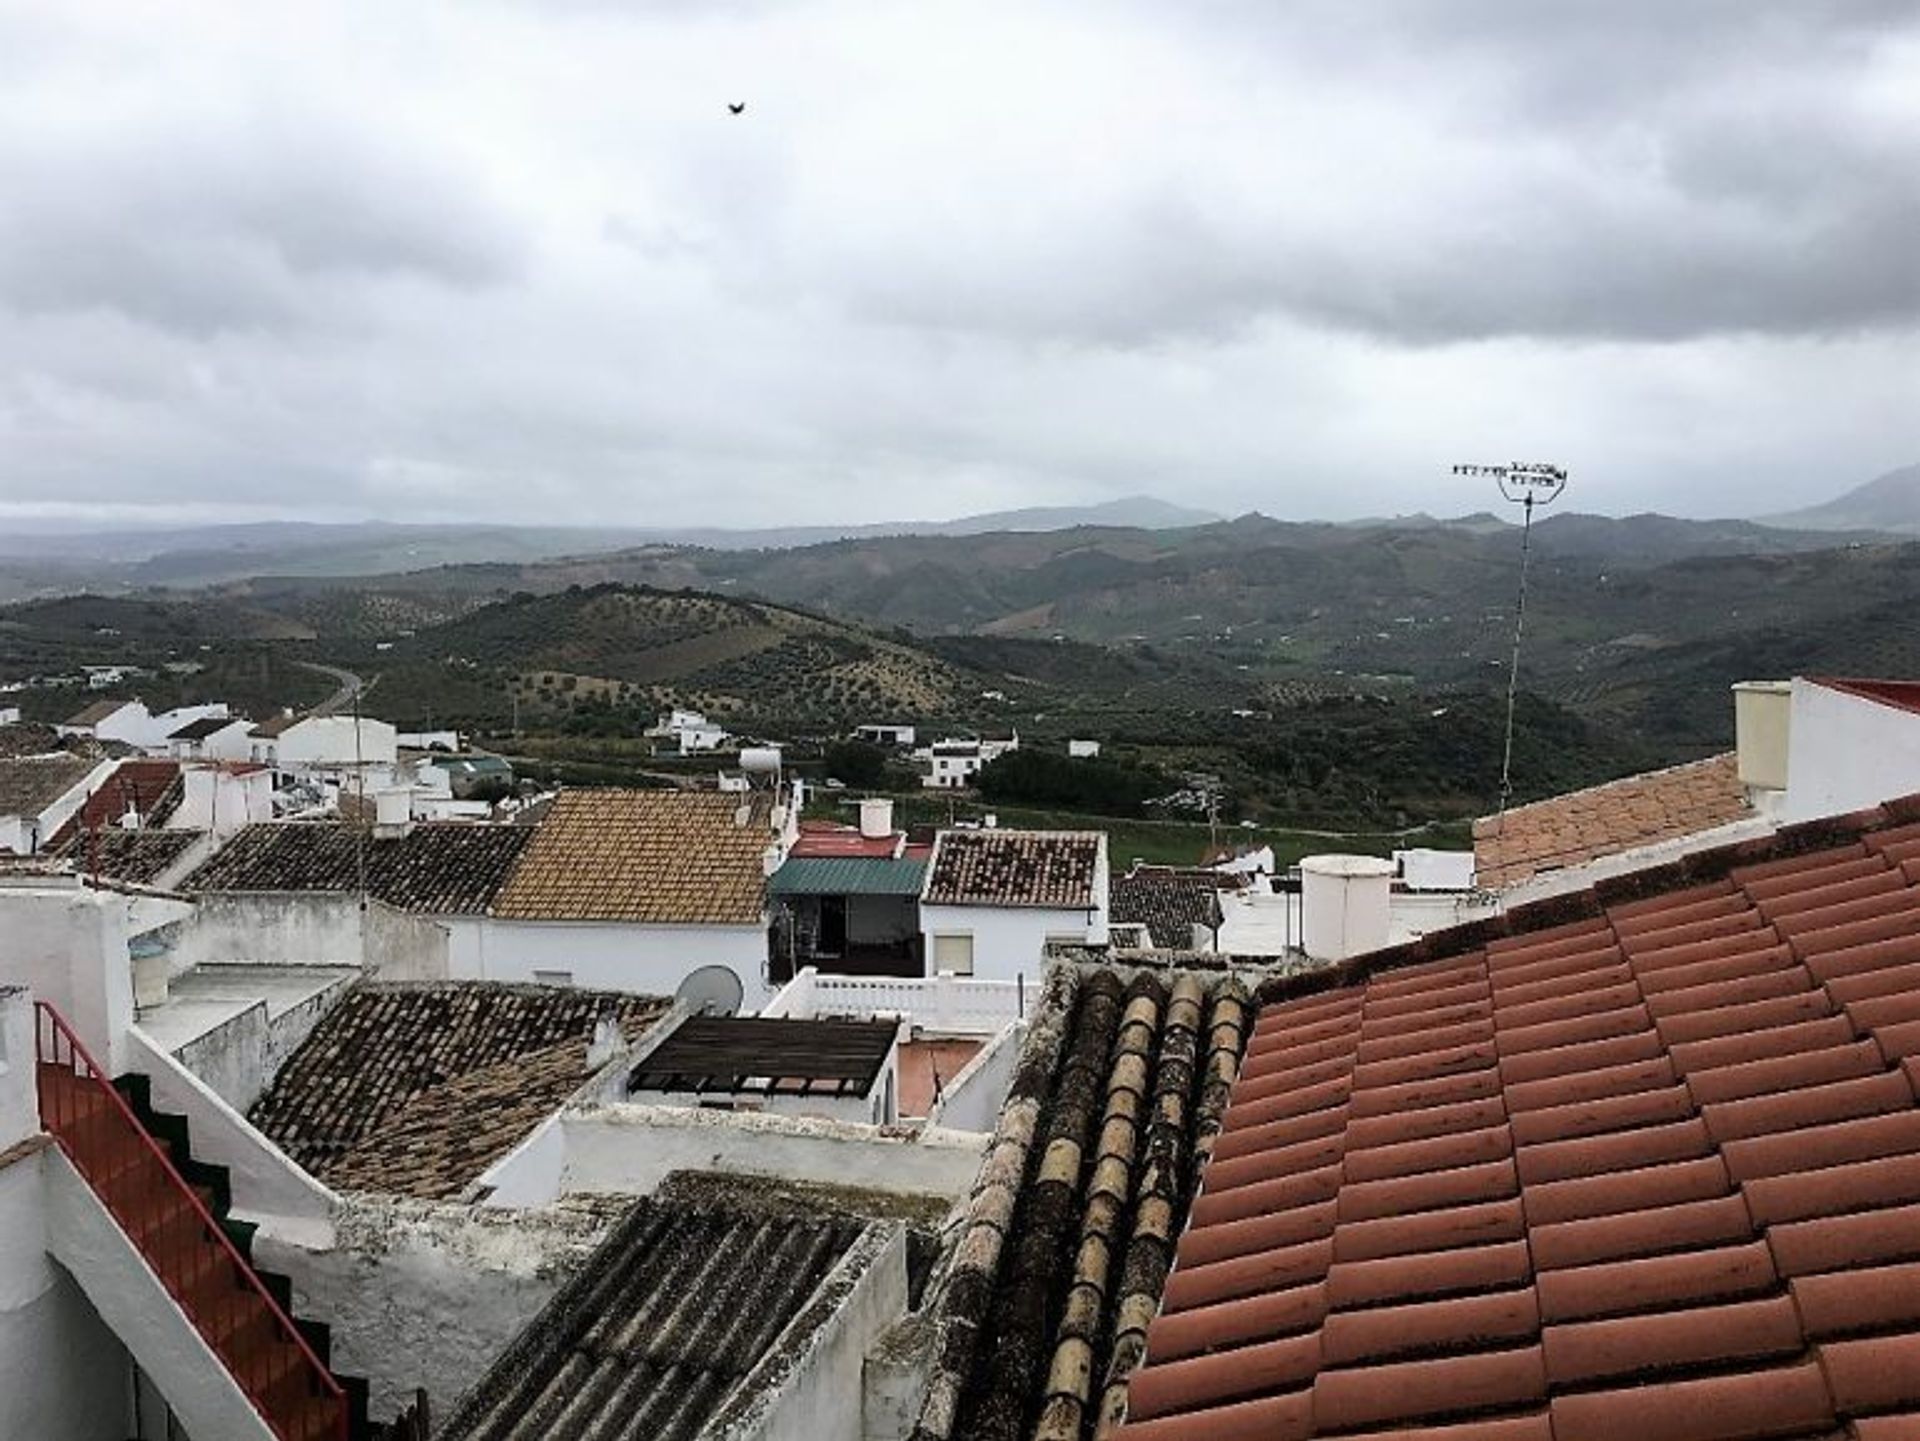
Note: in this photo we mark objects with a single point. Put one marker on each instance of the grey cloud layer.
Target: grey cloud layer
(391, 259)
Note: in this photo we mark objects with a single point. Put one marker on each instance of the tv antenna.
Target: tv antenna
(1525, 483)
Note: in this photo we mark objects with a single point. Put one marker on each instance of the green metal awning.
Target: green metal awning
(847, 876)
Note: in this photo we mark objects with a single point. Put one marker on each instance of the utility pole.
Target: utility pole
(1525, 484)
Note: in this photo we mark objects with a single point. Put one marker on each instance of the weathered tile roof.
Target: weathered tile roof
(1608, 819)
(847, 876)
(150, 788)
(29, 738)
(137, 857)
(204, 726)
(1640, 1163)
(274, 726)
(1114, 1104)
(661, 1325)
(730, 1055)
(821, 840)
(93, 714)
(29, 784)
(663, 857)
(417, 1089)
(1014, 868)
(1169, 901)
(442, 868)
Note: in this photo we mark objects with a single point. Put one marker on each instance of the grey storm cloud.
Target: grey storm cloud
(519, 259)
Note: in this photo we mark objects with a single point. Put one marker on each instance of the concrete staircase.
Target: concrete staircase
(157, 1205)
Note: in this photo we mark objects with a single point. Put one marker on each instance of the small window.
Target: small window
(953, 953)
(553, 978)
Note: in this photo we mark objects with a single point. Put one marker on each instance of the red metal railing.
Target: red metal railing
(168, 1221)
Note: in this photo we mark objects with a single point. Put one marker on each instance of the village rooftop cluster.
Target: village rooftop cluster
(350, 1090)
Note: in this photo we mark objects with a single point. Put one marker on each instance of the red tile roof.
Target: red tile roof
(1641, 1163)
(1901, 694)
(137, 785)
(824, 840)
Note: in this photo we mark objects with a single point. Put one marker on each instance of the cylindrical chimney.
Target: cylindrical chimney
(1344, 902)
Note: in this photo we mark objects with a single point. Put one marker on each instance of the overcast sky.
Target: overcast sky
(518, 261)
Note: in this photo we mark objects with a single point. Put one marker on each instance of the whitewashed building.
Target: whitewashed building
(995, 899)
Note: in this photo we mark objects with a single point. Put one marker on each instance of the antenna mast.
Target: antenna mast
(1525, 484)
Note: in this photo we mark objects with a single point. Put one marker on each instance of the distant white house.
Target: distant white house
(39, 794)
(126, 721)
(901, 736)
(129, 722)
(9, 715)
(1083, 750)
(994, 900)
(953, 764)
(326, 745)
(213, 738)
(690, 731)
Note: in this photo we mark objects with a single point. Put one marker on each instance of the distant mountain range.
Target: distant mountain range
(1888, 503)
(42, 561)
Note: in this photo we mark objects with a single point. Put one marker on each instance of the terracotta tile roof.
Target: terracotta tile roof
(658, 1328)
(440, 868)
(1014, 868)
(661, 857)
(1114, 1105)
(417, 1089)
(1606, 820)
(29, 784)
(1169, 901)
(1641, 1162)
(29, 738)
(151, 789)
(137, 857)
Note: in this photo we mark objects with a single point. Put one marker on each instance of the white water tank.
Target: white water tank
(392, 812)
(1344, 902)
(876, 817)
(760, 760)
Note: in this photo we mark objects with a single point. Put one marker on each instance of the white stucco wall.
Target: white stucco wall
(420, 1294)
(283, 928)
(1007, 940)
(265, 1180)
(328, 741)
(630, 1150)
(89, 1243)
(972, 1100)
(62, 1371)
(68, 945)
(1846, 753)
(651, 960)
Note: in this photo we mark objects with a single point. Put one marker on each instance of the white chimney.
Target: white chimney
(1344, 902)
(876, 818)
(1762, 712)
(392, 813)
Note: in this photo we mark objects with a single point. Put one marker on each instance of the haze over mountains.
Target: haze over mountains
(45, 561)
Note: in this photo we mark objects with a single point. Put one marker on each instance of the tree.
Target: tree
(859, 763)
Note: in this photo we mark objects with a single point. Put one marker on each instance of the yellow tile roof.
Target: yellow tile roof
(659, 857)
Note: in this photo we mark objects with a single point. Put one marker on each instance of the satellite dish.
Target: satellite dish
(712, 991)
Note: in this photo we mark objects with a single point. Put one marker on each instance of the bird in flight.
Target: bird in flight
(739, 109)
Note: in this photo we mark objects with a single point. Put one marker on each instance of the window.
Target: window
(953, 953)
